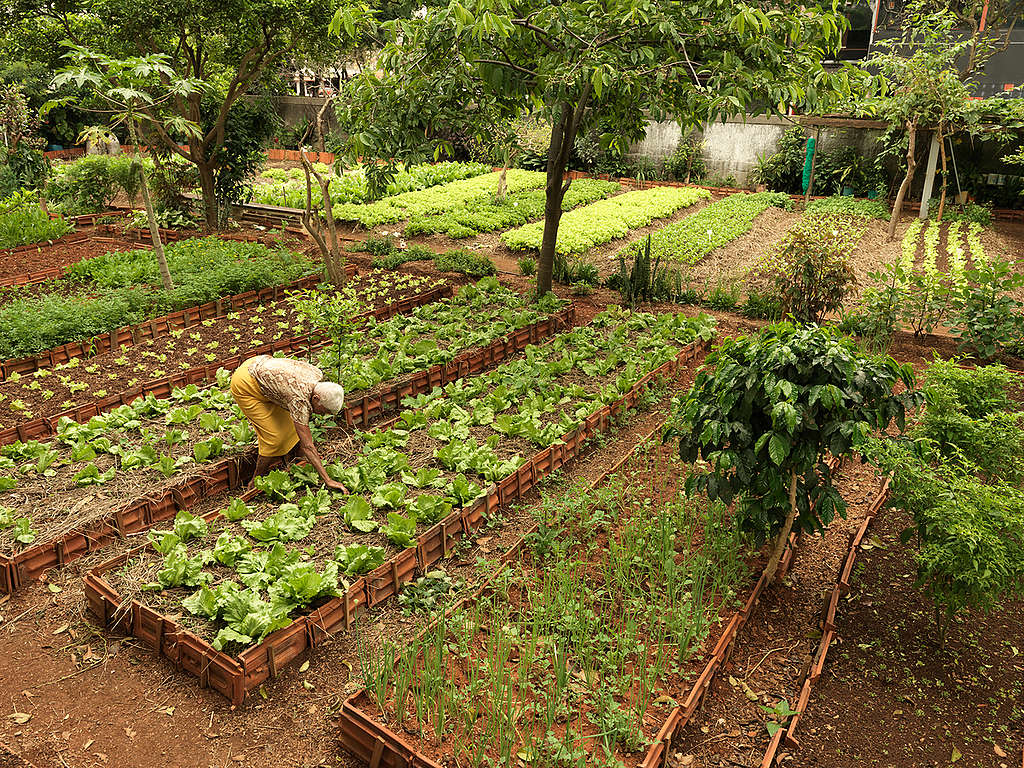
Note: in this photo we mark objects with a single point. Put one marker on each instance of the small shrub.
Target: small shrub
(812, 275)
(380, 246)
(465, 262)
(761, 306)
(528, 266)
(90, 184)
(970, 211)
(393, 261)
(985, 318)
(725, 296)
(23, 221)
(687, 162)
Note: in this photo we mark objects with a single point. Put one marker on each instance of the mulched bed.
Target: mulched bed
(57, 254)
(776, 647)
(891, 696)
(50, 391)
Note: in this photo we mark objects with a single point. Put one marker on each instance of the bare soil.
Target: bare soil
(57, 254)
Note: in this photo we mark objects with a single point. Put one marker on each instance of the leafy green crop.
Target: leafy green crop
(357, 559)
(606, 220)
(358, 515)
(401, 530)
(691, 239)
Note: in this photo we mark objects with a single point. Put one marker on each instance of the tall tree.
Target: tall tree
(574, 63)
(229, 45)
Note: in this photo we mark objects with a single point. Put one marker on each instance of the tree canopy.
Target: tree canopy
(586, 64)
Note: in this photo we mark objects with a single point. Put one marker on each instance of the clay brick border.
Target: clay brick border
(235, 677)
(158, 326)
(377, 746)
(46, 426)
(142, 514)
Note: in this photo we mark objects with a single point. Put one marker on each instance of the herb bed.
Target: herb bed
(234, 676)
(52, 392)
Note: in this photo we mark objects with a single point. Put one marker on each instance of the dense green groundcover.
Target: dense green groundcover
(118, 289)
(23, 221)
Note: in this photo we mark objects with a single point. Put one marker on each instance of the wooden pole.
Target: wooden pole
(929, 176)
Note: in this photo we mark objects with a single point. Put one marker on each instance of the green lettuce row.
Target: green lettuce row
(487, 215)
(446, 197)
(607, 220)
(390, 498)
(691, 239)
(352, 187)
(432, 334)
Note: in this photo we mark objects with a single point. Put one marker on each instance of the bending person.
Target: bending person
(277, 395)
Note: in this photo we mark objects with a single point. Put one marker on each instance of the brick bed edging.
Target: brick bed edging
(46, 426)
(141, 514)
(376, 745)
(158, 326)
(234, 678)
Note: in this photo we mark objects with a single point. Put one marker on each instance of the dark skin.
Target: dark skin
(306, 449)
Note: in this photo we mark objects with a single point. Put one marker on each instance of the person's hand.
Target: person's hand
(334, 485)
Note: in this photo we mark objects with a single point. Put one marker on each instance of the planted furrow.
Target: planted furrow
(606, 220)
(429, 472)
(154, 447)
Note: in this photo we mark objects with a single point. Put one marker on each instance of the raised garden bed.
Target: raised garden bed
(235, 676)
(28, 564)
(151, 329)
(37, 401)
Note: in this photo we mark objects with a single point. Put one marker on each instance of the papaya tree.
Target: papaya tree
(765, 413)
(585, 64)
(127, 91)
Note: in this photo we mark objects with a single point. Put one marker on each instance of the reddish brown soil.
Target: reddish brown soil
(57, 254)
(96, 700)
(47, 392)
(891, 696)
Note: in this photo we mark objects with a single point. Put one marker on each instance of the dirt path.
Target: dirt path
(774, 650)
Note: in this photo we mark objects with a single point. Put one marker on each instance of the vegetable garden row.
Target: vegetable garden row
(416, 489)
(135, 444)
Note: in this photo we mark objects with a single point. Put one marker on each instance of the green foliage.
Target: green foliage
(959, 477)
(782, 171)
(90, 184)
(768, 408)
(401, 530)
(23, 221)
(686, 163)
(986, 318)
(394, 259)
(425, 593)
(465, 262)
(357, 559)
(527, 265)
(21, 527)
(204, 269)
(599, 222)
(844, 205)
(810, 273)
(689, 240)
(969, 212)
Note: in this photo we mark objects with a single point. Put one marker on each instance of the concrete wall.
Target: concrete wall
(296, 109)
(731, 148)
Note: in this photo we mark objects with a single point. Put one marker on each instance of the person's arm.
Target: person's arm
(311, 455)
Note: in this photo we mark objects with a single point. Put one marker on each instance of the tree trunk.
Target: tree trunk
(897, 207)
(154, 227)
(942, 154)
(206, 185)
(499, 196)
(780, 542)
(330, 251)
(563, 133)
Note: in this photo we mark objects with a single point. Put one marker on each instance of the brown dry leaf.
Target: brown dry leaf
(1000, 752)
(20, 717)
(129, 732)
(61, 629)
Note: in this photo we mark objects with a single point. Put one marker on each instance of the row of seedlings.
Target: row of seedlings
(576, 651)
(85, 387)
(451, 458)
(146, 454)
